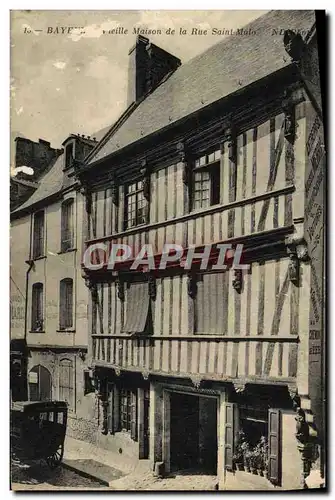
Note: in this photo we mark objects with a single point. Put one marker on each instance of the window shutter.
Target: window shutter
(116, 409)
(110, 408)
(230, 433)
(274, 468)
(133, 409)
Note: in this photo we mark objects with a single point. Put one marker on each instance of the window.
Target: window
(67, 225)
(125, 410)
(138, 309)
(135, 205)
(69, 155)
(128, 412)
(253, 439)
(38, 235)
(37, 308)
(40, 384)
(66, 374)
(66, 304)
(206, 180)
(211, 303)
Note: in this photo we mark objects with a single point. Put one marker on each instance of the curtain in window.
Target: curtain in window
(67, 225)
(211, 304)
(66, 304)
(37, 307)
(38, 235)
(137, 298)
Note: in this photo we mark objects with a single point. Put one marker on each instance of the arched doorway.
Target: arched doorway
(40, 384)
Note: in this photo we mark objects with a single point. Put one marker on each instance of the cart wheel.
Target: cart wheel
(55, 459)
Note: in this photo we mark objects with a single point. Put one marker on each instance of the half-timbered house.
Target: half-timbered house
(204, 369)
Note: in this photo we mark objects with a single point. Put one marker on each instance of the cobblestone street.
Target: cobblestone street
(39, 477)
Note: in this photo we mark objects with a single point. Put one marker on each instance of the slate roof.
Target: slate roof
(50, 183)
(233, 63)
(228, 66)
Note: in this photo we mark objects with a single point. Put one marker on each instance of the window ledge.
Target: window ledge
(36, 331)
(65, 330)
(67, 251)
(135, 227)
(39, 258)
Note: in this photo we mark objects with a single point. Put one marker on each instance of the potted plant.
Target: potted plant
(238, 456)
(261, 455)
(254, 457)
(248, 458)
(264, 455)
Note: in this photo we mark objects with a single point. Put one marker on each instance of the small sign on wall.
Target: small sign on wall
(33, 378)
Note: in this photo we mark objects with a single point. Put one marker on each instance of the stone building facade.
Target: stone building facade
(48, 295)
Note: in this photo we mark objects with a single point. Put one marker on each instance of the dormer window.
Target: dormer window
(69, 155)
(206, 180)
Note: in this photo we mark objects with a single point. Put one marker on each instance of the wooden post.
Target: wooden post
(155, 424)
(140, 422)
(166, 430)
(221, 472)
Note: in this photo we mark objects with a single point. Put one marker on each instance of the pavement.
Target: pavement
(119, 473)
(39, 477)
(87, 467)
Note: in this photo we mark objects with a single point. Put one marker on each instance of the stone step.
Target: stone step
(94, 470)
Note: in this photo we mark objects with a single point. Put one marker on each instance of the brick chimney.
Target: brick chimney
(36, 155)
(148, 65)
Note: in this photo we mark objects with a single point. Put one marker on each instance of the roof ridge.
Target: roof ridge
(125, 115)
(112, 129)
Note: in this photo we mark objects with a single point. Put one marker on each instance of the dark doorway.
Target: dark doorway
(40, 386)
(184, 432)
(146, 428)
(208, 448)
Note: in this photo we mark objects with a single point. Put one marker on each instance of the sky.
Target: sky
(76, 82)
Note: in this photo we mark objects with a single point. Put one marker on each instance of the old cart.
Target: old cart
(38, 431)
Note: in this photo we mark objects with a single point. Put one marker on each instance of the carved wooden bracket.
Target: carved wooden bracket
(297, 251)
(152, 287)
(289, 124)
(117, 372)
(196, 380)
(306, 443)
(115, 193)
(145, 171)
(145, 374)
(230, 136)
(239, 387)
(120, 288)
(186, 164)
(289, 117)
(85, 191)
(294, 45)
(192, 285)
(294, 269)
(298, 246)
(91, 285)
(293, 395)
(238, 280)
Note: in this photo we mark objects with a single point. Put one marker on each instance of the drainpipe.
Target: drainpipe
(30, 263)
